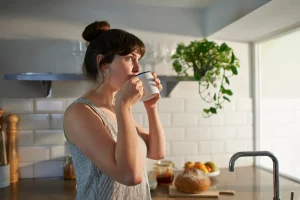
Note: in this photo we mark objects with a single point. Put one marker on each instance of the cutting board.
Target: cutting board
(211, 193)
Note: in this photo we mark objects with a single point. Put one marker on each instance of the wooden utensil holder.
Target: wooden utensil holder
(11, 131)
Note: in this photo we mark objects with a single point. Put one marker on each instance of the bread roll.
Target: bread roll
(192, 181)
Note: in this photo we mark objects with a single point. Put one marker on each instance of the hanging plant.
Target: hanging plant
(212, 67)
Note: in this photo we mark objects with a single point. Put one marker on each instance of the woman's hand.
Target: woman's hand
(152, 102)
(131, 92)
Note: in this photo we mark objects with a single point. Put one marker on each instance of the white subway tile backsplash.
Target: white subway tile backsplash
(174, 134)
(17, 105)
(25, 138)
(139, 108)
(217, 147)
(242, 105)
(184, 120)
(233, 146)
(250, 119)
(214, 120)
(56, 121)
(205, 147)
(168, 148)
(244, 132)
(198, 134)
(199, 158)
(171, 105)
(49, 137)
(222, 160)
(138, 117)
(53, 105)
(194, 105)
(59, 152)
(250, 144)
(34, 121)
(184, 148)
(223, 133)
(185, 89)
(165, 119)
(150, 164)
(48, 169)
(177, 160)
(33, 154)
(25, 169)
(236, 118)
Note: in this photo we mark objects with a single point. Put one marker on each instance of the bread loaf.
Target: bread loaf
(192, 181)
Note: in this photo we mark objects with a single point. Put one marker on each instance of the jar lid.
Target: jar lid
(69, 159)
(164, 163)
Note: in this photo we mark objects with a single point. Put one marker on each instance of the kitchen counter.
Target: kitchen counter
(249, 183)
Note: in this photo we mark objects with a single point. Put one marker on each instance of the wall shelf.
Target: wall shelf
(44, 76)
(45, 79)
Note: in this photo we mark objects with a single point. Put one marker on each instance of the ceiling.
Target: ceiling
(275, 17)
(173, 3)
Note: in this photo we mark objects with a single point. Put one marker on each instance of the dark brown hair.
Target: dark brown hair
(108, 42)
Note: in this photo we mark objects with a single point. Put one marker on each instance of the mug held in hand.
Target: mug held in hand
(150, 87)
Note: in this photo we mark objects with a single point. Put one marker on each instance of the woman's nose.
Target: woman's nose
(136, 67)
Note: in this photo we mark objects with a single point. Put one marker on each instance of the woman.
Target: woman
(108, 147)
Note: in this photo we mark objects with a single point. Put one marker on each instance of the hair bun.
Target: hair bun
(93, 30)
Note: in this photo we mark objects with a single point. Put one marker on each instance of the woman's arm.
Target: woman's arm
(155, 140)
(121, 160)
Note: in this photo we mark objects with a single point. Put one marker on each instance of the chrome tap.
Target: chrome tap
(260, 153)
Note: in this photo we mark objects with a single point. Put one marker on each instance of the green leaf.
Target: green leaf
(206, 110)
(229, 92)
(213, 110)
(224, 47)
(232, 58)
(225, 91)
(177, 66)
(175, 56)
(197, 76)
(226, 98)
(233, 69)
(227, 80)
(215, 96)
(180, 49)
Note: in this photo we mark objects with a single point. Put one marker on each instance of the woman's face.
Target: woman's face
(123, 68)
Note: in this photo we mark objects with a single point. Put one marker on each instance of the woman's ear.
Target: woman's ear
(99, 58)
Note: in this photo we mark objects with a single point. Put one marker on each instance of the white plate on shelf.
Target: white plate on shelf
(212, 174)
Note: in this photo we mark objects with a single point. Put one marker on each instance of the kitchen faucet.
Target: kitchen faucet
(260, 153)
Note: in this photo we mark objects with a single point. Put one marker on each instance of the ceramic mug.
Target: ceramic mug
(150, 87)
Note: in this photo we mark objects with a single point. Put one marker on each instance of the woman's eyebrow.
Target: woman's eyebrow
(136, 55)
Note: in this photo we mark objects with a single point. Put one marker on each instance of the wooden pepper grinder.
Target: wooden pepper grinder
(11, 131)
(1, 113)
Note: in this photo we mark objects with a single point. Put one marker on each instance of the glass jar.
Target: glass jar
(69, 171)
(164, 172)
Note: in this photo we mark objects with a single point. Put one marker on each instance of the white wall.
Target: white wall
(280, 102)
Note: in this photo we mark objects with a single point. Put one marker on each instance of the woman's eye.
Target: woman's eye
(129, 58)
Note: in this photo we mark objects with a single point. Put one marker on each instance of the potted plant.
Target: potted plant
(212, 66)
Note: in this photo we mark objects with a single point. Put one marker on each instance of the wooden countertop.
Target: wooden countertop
(249, 183)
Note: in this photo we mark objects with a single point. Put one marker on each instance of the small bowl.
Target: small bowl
(212, 174)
